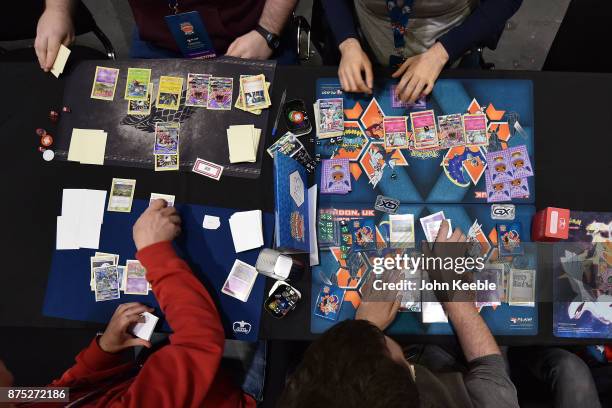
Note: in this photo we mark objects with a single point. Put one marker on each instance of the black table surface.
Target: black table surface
(573, 165)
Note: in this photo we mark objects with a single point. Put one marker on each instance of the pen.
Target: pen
(278, 112)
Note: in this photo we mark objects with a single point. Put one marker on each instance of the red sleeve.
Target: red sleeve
(92, 365)
(185, 369)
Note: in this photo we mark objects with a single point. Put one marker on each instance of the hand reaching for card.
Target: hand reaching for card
(379, 307)
(116, 337)
(158, 223)
(54, 28)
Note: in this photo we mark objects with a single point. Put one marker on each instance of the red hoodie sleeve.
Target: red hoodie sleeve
(181, 373)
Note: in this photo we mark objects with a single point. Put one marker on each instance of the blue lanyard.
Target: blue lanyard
(399, 14)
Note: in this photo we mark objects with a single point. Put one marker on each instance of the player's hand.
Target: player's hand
(379, 307)
(419, 73)
(54, 28)
(116, 337)
(250, 46)
(158, 223)
(354, 64)
(455, 246)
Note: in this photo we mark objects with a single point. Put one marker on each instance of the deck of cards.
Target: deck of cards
(335, 176)
(253, 95)
(108, 278)
(243, 143)
(329, 117)
(240, 281)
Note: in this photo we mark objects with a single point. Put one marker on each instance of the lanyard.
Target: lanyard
(173, 5)
(399, 14)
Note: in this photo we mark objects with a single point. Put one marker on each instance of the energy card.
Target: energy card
(329, 116)
(220, 90)
(253, 92)
(106, 283)
(396, 132)
(424, 129)
(451, 132)
(329, 302)
(521, 287)
(240, 281)
(135, 276)
(499, 167)
(335, 176)
(104, 84)
(364, 234)
(166, 197)
(166, 162)
(401, 230)
(137, 107)
(166, 138)
(509, 238)
(519, 161)
(137, 83)
(121, 196)
(197, 90)
(169, 92)
(475, 126)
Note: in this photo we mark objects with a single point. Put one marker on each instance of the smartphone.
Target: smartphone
(282, 299)
(296, 117)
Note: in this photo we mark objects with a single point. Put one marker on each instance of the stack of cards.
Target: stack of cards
(139, 106)
(431, 225)
(329, 117)
(87, 146)
(253, 95)
(81, 220)
(169, 199)
(335, 176)
(220, 91)
(166, 146)
(507, 173)
(104, 83)
(169, 92)
(240, 281)
(247, 230)
(105, 260)
(396, 132)
(121, 196)
(243, 143)
(290, 145)
(424, 130)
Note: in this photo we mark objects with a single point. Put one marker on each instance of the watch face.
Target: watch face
(273, 40)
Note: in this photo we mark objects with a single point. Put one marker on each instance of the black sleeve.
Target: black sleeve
(488, 383)
(340, 19)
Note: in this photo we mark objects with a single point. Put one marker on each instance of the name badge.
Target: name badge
(190, 35)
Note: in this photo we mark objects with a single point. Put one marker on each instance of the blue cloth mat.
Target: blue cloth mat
(210, 253)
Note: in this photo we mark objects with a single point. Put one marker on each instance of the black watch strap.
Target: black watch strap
(272, 39)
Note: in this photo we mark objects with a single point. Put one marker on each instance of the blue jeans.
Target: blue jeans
(284, 55)
(255, 376)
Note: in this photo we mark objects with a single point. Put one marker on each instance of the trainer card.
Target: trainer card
(169, 92)
(428, 229)
(207, 169)
(197, 90)
(424, 129)
(166, 197)
(166, 138)
(364, 234)
(166, 162)
(141, 107)
(137, 84)
(521, 287)
(509, 239)
(396, 132)
(329, 116)
(475, 126)
(499, 167)
(104, 84)
(519, 188)
(450, 131)
(329, 302)
(335, 176)
(106, 283)
(220, 90)
(253, 92)
(496, 191)
(121, 196)
(519, 161)
(135, 276)
(240, 281)
(401, 230)
(396, 102)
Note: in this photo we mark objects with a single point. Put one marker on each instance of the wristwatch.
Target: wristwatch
(272, 39)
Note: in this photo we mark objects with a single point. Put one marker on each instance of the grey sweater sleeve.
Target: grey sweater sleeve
(488, 383)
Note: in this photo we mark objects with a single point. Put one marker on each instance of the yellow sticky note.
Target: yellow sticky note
(60, 61)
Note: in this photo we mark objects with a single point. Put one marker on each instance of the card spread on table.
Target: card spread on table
(135, 277)
(141, 107)
(60, 60)
(240, 281)
(166, 197)
(145, 330)
(122, 194)
(87, 146)
(106, 283)
(424, 129)
(137, 84)
(169, 92)
(81, 220)
(247, 230)
(197, 90)
(220, 91)
(243, 143)
(100, 259)
(104, 83)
